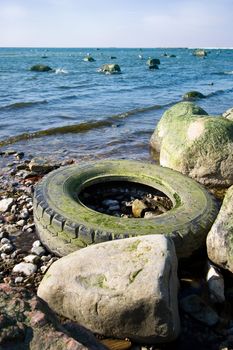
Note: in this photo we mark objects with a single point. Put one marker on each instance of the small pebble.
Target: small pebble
(6, 248)
(45, 258)
(15, 253)
(114, 207)
(44, 268)
(24, 214)
(25, 268)
(5, 240)
(5, 204)
(31, 258)
(20, 222)
(36, 244)
(110, 202)
(4, 256)
(18, 279)
(38, 250)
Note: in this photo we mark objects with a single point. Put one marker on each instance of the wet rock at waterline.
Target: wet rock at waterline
(153, 63)
(41, 165)
(192, 95)
(110, 69)
(200, 53)
(196, 144)
(139, 288)
(220, 238)
(89, 59)
(40, 68)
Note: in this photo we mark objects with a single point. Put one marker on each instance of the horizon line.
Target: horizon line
(117, 47)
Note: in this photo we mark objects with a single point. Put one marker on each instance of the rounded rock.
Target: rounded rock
(25, 268)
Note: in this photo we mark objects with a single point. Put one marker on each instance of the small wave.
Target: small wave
(65, 117)
(65, 87)
(230, 72)
(219, 92)
(82, 127)
(61, 71)
(77, 128)
(18, 105)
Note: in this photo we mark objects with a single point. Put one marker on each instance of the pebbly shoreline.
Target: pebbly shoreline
(27, 323)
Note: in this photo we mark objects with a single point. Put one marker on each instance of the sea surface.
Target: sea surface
(77, 112)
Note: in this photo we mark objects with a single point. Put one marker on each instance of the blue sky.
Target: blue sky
(118, 23)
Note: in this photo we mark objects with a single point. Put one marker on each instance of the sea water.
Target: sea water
(75, 111)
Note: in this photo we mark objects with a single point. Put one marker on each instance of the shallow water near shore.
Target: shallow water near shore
(74, 111)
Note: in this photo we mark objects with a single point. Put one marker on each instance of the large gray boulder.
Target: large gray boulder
(196, 144)
(220, 238)
(124, 288)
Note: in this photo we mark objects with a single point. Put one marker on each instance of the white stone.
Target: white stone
(123, 288)
(215, 283)
(36, 243)
(31, 258)
(25, 268)
(44, 268)
(220, 238)
(38, 250)
(20, 222)
(18, 279)
(5, 204)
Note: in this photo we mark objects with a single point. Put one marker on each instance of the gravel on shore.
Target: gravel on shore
(25, 322)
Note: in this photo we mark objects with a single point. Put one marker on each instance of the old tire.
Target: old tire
(64, 224)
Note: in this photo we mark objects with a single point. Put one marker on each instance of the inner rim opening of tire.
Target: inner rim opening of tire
(124, 198)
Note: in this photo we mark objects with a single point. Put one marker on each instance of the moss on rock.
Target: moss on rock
(192, 95)
(196, 144)
(110, 69)
(40, 68)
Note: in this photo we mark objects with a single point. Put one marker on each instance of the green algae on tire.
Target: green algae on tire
(65, 224)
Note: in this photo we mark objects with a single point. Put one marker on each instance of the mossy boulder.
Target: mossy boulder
(220, 238)
(89, 59)
(192, 95)
(40, 68)
(200, 53)
(153, 63)
(196, 144)
(110, 69)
